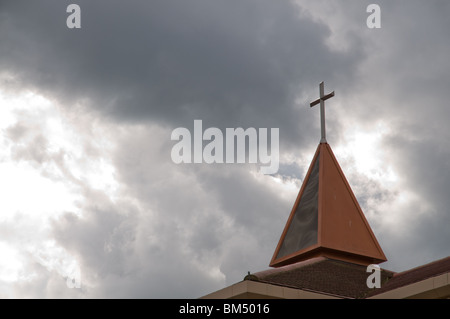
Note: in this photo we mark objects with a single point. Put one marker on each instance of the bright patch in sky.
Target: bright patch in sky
(44, 168)
(23, 187)
(364, 147)
(9, 263)
(367, 164)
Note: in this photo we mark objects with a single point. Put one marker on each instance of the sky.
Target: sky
(92, 203)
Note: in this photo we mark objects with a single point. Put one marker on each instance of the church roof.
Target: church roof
(326, 219)
(340, 279)
(415, 275)
(323, 275)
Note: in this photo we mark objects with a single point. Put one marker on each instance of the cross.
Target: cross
(321, 100)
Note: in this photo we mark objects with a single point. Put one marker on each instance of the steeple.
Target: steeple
(326, 219)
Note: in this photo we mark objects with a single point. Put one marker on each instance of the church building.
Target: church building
(328, 250)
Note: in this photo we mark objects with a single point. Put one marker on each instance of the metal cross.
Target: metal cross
(321, 100)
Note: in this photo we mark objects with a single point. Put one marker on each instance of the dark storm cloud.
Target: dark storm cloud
(230, 63)
(406, 70)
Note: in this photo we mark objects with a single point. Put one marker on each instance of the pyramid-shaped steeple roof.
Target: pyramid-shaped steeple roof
(326, 219)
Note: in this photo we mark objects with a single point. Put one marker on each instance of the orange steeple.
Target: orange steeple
(326, 219)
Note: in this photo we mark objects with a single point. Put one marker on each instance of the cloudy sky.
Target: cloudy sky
(87, 182)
